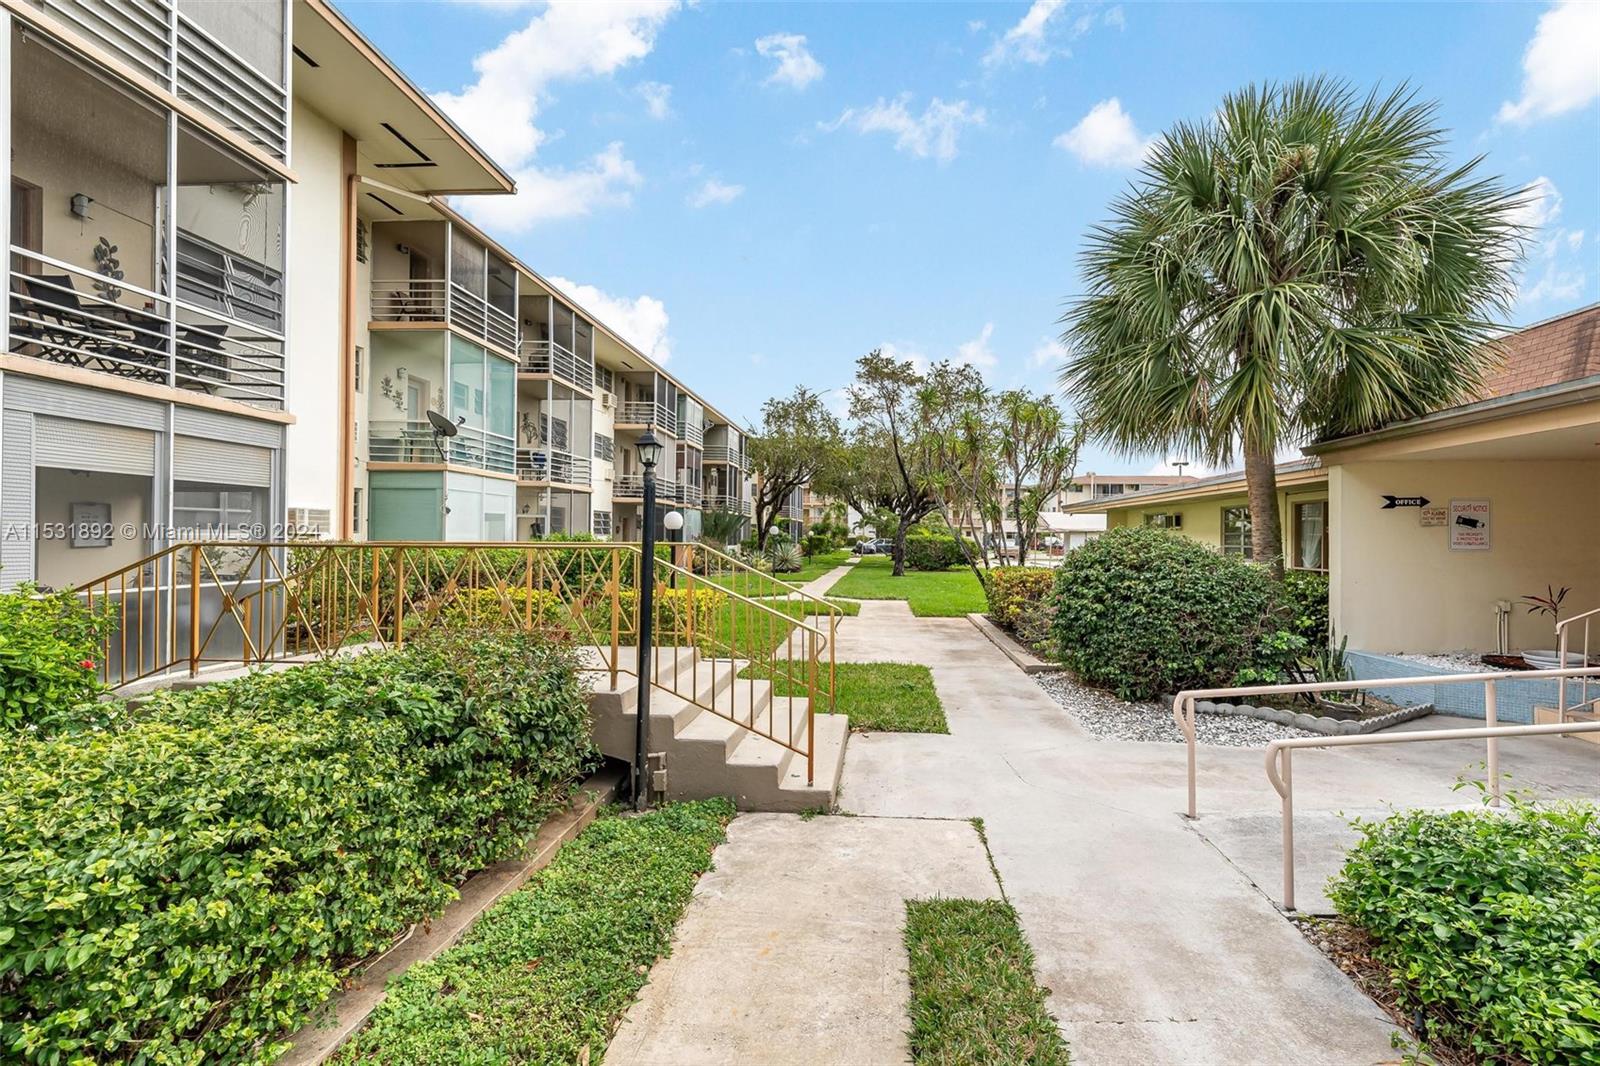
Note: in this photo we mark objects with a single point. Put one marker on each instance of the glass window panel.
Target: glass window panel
(1311, 527)
(1236, 531)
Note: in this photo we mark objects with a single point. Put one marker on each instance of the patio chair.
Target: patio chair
(201, 356)
(61, 327)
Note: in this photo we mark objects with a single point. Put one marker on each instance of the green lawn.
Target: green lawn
(750, 585)
(974, 999)
(931, 594)
(546, 974)
(891, 697)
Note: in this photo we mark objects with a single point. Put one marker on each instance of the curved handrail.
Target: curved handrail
(1563, 629)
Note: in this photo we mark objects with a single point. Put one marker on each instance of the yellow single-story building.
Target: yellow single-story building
(1434, 531)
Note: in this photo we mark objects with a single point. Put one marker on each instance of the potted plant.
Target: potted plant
(1549, 604)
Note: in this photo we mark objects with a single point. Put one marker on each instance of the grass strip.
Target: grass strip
(930, 593)
(546, 974)
(974, 999)
(888, 697)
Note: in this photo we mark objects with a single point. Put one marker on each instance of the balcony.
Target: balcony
(416, 442)
(719, 454)
(435, 300)
(693, 433)
(555, 360)
(205, 72)
(732, 504)
(630, 487)
(540, 466)
(69, 315)
(639, 414)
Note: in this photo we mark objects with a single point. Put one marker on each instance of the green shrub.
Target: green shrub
(1020, 602)
(187, 886)
(1489, 922)
(938, 551)
(1148, 613)
(785, 557)
(1305, 594)
(49, 655)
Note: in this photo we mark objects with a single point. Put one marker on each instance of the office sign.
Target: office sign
(1469, 525)
(1391, 502)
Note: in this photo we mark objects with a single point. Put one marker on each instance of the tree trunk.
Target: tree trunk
(1022, 541)
(900, 548)
(1266, 537)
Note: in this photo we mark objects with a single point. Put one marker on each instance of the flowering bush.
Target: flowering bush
(49, 651)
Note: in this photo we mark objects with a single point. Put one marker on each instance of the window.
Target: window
(602, 524)
(605, 379)
(1165, 520)
(355, 519)
(1311, 535)
(202, 511)
(603, 447)
(361, 357)
(1236, 532)
(1108, 490)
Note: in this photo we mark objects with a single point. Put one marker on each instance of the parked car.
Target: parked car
(880, 546)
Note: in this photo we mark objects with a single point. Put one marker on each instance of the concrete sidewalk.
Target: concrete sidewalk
(792, 950)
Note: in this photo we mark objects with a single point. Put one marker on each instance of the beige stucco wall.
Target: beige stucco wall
(59, 563)
(1202, 518)
(1397, 586)
(312, 457)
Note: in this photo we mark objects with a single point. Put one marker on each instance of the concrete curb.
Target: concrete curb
(347, 1010)
(1334, 727)
(1025, 660)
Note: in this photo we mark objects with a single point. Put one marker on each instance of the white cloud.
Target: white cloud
(976, 25)
(1561, 65)
(657, 98)
(1106, 137)
(977, 352)
(563, 42)
(641, 321)
(713, 191)
(1553, 273)
(906, 351)
(1116, 18)
(1048, 353)
(1025, 42)
(797, 67)
(934, 133)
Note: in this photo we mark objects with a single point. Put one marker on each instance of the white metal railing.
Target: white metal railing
(692, 432)
(549, 465)
(689, 495)
(139, 31)
(409, 299)
(66, 314)
(217, 79)
(403, 442)
(646, 413)
(717, 453)
(629, 487)
(1564, 630)
(485, 450)
(1280, 766)
(1183, 706)
(548, 357)
(482, 319)
(727, 503)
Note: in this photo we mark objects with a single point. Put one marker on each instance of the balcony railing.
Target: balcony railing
(692, 432)
(438, 300)
(549, 466)
(75, 317)
(207, 73)
(727, 503)
(720, 454)
(548, 357)
(645, 413)
(416, 442)
(688, 495)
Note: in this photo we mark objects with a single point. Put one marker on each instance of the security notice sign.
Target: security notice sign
(1469, 525)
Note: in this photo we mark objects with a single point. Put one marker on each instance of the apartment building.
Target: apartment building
(144, 381)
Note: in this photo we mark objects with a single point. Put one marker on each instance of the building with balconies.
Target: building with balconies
(145, 367)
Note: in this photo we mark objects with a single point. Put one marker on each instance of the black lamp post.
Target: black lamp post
(649, 451)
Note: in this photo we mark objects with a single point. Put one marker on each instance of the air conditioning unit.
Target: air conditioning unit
(607, 400)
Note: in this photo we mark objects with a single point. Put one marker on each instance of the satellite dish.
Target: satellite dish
(442, 426)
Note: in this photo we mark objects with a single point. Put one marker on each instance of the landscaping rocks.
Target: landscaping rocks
(1309, 723)
(1108, 718)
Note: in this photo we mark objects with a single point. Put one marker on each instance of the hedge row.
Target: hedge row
(1020, 601)
(49, 644)
(191, 882)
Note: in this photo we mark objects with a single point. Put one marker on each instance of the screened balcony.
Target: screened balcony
(556, 342)
(432, 272)
(93, 210)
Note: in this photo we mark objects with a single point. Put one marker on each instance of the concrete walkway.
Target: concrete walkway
(1156, 948)
(791, 950)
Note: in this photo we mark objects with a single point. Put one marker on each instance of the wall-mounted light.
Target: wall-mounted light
(80, 205)
(400, 372)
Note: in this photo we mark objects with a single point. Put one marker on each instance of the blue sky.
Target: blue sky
(759, 193)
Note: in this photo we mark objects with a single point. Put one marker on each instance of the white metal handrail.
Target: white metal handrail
(557, 360)
(408, 299)
(482, 319)
(717, 453)
(1280, 766)
(1183, 704)
(1563, 632)
(550, 465)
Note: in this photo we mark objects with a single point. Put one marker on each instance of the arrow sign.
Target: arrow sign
(1391, 502)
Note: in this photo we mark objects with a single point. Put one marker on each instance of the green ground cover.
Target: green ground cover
(546, 974)
(974, 999)
(891, 697)
(931, 594)
(747, 584)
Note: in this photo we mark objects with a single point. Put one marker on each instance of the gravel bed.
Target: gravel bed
(1461, 661)
(1108, 718)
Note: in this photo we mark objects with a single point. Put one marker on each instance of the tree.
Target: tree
(882, 465)
(1036, 452)
(1304, 264)
(956, 443)
(798, 437)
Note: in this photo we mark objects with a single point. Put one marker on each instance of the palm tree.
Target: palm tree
(1303, 264)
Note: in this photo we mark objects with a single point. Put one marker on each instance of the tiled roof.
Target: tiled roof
(1560, 349)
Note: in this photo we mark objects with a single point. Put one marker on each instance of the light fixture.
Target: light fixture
(673, 520)
(649, 449)
(80, 205)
